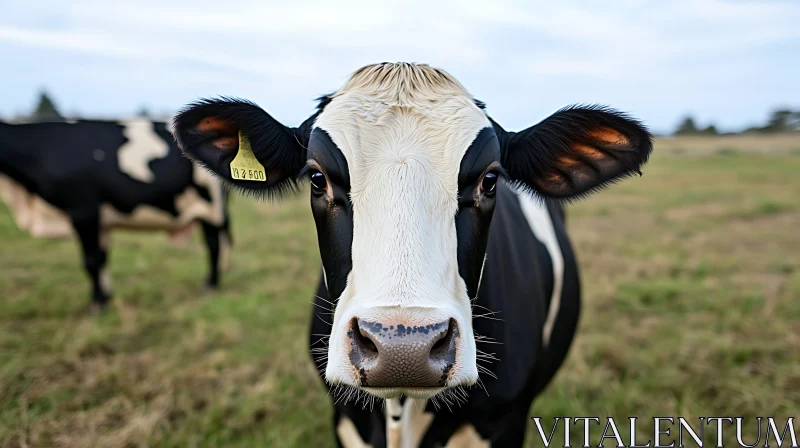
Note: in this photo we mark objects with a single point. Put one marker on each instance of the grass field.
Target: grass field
(692, 308)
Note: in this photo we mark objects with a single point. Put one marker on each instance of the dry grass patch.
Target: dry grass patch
(691, 276)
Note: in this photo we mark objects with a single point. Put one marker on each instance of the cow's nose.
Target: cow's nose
(398, 355)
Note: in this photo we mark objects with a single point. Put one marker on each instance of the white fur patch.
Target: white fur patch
(415, 422)
(467, 437)
(42, 220)
(406, 424)
(143, 146)
(394, 430)
(404, 150)
(541, 224)
(32, 213)
(203, 178)
(189, 204)
(348, 434)
(146, 217)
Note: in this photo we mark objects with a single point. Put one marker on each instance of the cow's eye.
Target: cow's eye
(318, 182)
(489, 182)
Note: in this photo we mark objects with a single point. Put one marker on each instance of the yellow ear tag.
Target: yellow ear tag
(245, 166)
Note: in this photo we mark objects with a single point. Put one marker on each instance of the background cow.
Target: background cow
(88, 177)
(405, 170)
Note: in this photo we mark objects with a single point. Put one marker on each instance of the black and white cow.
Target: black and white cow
(428, 210)
(87, 177)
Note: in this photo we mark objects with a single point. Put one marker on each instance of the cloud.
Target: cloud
(660, 58)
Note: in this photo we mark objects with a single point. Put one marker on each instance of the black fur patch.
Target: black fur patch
(474, 215)
(547, 158)
(282, 150)
(334, 219)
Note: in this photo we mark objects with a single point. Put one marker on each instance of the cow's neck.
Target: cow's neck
(406, 423)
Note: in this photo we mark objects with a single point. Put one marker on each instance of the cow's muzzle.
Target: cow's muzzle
(393, 355)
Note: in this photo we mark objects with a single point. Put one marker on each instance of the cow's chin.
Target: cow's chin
(422, 393)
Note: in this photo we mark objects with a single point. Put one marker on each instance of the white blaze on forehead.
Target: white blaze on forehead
(143, 146)
(403, 152)
(403, 131)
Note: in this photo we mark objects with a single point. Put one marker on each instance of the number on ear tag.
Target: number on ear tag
(245, 166)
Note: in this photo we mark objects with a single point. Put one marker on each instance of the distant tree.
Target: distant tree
(686, 127)
(780, 121)
(710, 130)
(46, 109)
(143, 112)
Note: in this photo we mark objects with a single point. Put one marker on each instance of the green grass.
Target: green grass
(691, 276)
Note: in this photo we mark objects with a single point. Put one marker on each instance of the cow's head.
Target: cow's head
(403, 164)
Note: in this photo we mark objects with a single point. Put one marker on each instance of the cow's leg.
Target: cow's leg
(95, 255)
(219, 243)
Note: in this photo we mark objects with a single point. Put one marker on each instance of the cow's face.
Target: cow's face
(403, 167)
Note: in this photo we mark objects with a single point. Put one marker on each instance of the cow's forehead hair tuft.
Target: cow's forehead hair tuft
(402, 84)
(407, 104)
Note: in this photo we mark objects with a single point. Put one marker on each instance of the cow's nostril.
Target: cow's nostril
(365, 342)
(440, 343)
(443, 348)
(364, 347)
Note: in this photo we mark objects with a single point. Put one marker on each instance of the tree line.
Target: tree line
(780, 120)
(46, 110)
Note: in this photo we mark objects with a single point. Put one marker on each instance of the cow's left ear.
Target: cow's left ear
(575, 151)
(242, 144)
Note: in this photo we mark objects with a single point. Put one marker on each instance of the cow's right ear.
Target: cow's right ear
(214, 132)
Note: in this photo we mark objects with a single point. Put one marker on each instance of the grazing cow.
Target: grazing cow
(426, 209)
(87, 177)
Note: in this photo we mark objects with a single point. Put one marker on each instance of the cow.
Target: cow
(429, 216)
(84, 178)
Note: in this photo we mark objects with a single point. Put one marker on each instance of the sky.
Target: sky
(729, 62)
